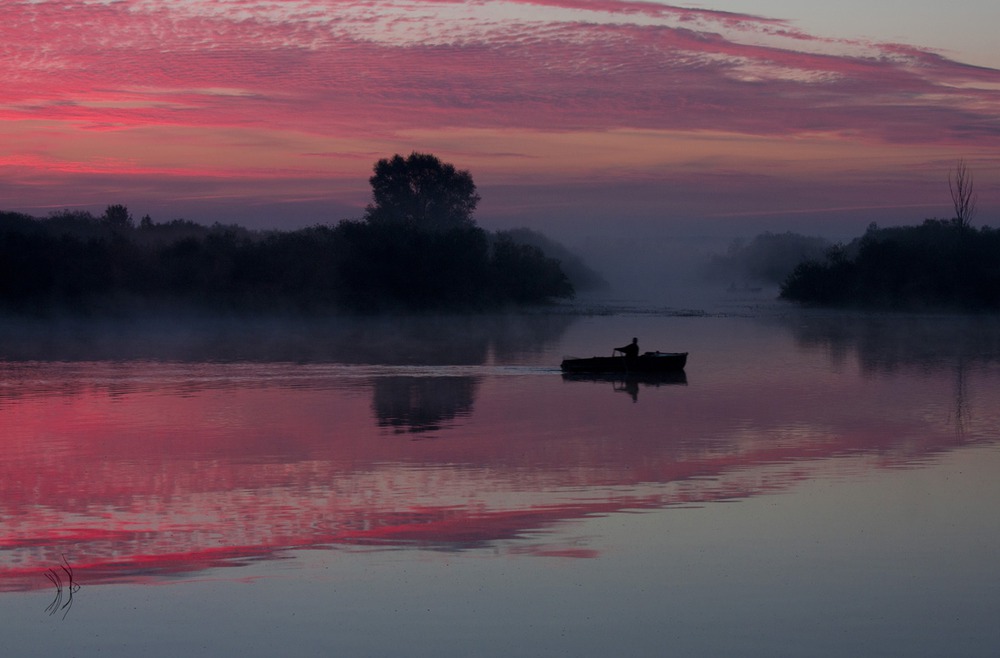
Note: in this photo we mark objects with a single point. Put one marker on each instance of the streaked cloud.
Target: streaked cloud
(251, 88)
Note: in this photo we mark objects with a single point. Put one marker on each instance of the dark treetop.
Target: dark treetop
(417, 249)
(421, 191)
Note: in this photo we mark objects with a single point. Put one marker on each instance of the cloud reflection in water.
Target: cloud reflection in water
(140, 470)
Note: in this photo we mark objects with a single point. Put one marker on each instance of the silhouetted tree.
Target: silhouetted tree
(76, 223)
(383, 266)
(422, 191)
(579, 273)
(522, 273)
(74, 261)
(117, 217)
(963, 194)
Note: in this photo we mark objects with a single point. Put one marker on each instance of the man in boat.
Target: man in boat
(631, 350)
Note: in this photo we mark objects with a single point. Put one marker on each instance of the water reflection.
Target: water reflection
(422, 404)
(140, 470)
(631, 382)
(890, 343)
(949, 346)
(75, 355)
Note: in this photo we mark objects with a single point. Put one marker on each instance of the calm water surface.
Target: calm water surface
(817, 484)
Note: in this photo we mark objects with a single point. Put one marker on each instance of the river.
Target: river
(817, 483)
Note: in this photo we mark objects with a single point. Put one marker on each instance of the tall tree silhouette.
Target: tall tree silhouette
(118, 217)
(963, 194)
(421, 191)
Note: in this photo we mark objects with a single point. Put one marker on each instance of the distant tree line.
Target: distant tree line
(79, 262)
(417, 248)
(938, 264)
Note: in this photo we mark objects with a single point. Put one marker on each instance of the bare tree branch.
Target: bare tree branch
(963, 194)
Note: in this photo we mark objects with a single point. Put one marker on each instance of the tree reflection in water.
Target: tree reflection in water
(900, 343)
(422, 404)
(891, 343)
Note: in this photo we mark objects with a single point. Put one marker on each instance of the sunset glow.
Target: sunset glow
(272, 113)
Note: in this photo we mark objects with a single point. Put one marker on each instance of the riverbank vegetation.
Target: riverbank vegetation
(940, 264)
(416, 249)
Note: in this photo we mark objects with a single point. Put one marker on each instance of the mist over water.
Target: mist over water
(662, 262)
(389, 339)
(667, 274)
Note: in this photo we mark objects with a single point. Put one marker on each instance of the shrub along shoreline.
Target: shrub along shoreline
(75, 262)
(940, 264)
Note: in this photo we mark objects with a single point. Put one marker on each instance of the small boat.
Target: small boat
(648, 362)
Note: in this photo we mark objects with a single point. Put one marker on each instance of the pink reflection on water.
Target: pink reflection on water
(161, 477)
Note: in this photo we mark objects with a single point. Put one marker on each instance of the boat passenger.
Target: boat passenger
(631, 350)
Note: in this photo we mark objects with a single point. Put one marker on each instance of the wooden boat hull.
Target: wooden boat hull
(646, 363)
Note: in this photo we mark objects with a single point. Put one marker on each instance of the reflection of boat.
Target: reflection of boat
(626, 379)
(648, 362)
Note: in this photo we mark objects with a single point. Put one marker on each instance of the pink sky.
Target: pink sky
(568, 113)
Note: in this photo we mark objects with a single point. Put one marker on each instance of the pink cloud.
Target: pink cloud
(377, 71)
(113, 68)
